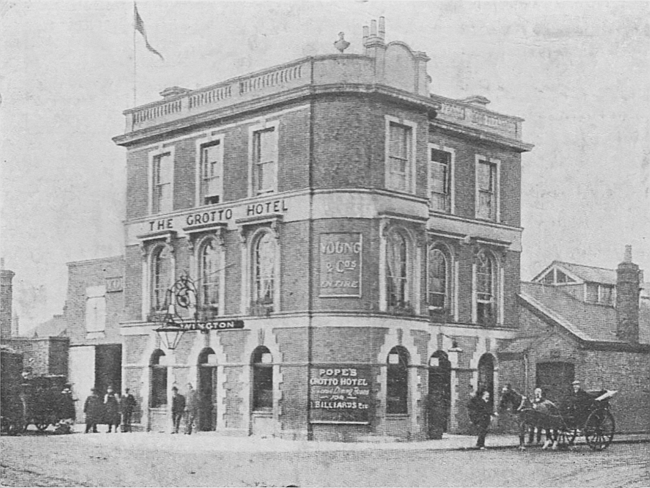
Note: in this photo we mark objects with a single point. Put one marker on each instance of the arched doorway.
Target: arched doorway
(439, 399)
(207, 389)
(486, 375)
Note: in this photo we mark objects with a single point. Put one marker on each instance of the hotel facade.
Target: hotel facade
(350, 241)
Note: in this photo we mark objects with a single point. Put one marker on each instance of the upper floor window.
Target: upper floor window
(438, 280)
(212, 173)
(486, 289)
(210, 268)
(95, 308)
(400, 157)
(440, 180)
(264, 264)
(397, 384)
(487, 189)
(398, 271)
(161, 277)
(161, 183)
(265, 160)
(596, 293)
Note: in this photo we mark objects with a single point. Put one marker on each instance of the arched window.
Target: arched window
(263, 272)
(210, 267)
(161, 276)
(158, 394)
(486, 289)
(438, 281)
(262, 380)
(397, 271)
(397, 381)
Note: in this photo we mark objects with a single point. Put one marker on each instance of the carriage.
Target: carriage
(594, 419)
(595, 422)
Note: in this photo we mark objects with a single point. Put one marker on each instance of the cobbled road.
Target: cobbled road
(95, 460)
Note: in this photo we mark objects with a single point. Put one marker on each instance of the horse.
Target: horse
(544, 415)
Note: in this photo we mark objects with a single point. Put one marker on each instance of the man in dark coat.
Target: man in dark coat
(93, 411)
(112, 409)
(580, 402)
(480, 413)
(127, 406)
(178, 409)
(191, 408)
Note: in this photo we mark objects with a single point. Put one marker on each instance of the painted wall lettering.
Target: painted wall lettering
(340, 394)
(340, 264)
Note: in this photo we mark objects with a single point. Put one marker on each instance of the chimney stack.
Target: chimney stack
(6, 299)
(382, 28)
(628, 284)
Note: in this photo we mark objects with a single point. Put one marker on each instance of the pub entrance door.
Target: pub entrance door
(439, 398)
(207, 389)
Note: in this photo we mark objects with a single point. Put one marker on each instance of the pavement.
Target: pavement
(210, 441)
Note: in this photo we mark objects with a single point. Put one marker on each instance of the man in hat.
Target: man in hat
(93, 411)
(178, 409)
(580, 402)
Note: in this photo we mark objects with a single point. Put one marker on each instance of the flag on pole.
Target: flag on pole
(139, 26)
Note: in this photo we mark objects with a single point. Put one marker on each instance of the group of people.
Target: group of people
(112, 410)
(481, 410)
(184, 407)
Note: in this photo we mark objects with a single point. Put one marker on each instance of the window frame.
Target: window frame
(155, 251)
(492, 162)
(496, 284)
(253, 178)
(412, 154)
(261, 370)
(448, 305)
(451, 204)
(95, 294)
(201, 145)
(408, 304)
(212, 309)
(155, 156)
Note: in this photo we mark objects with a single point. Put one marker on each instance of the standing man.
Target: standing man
(580, 402)
(178, 409)
(190, 408)
(112, 409)
(127, 405)
(93, 411)
(480, 413)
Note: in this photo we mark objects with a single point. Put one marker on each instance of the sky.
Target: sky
(577, 72)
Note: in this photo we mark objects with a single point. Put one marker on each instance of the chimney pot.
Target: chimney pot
(373, 27)
(366, 30)
(382, 27)
(627, 257)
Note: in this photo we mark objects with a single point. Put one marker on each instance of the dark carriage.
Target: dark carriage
(595, 422)
(12, 402)
(45, 402)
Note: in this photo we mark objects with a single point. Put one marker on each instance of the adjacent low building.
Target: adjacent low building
(586, 323)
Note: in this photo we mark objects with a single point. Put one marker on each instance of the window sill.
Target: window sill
(397, 416)
(263, 413)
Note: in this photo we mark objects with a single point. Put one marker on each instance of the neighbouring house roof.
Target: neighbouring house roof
(55, 327)
(588, 321)
(519, 345)
(585, 273)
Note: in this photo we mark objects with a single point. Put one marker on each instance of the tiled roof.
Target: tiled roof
(588, 321)
(590, 273)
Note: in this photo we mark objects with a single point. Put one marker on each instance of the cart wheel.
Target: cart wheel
(41, 426)
(599, 429)
(565, 438)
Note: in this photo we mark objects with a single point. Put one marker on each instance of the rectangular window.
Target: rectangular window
(606, 295)
(161, 198)
(439, 180)
(95, 308)
(487, 190)
(265, 161)
(212, 173)
(399, 157)
(592, 293)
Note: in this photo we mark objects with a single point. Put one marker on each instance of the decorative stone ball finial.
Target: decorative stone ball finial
(341, 44)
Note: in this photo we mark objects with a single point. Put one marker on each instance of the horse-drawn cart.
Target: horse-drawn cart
(594, 419)
(595, 422)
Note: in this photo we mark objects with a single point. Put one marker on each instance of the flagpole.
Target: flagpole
(134, 59)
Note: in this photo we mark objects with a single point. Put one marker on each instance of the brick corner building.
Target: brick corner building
(353, 241)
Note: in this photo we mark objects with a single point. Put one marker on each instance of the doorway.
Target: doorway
(207, 390)
(486, 375)
(108, 368)
(555, 380)
(439, 400)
